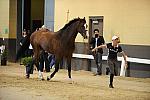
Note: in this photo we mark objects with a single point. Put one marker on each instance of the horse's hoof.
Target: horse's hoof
(27, 76)
(42, 79)
(48, 78)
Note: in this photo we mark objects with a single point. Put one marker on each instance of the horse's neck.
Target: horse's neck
(68, 35)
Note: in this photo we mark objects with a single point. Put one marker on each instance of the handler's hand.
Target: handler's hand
(93, 49)
(126, 65)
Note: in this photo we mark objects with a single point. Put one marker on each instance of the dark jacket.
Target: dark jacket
(100, 41)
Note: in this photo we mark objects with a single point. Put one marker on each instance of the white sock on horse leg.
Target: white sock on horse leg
(40, 75)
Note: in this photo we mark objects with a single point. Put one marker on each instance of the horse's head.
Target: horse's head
(82, 27)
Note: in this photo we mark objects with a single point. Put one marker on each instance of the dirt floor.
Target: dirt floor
(83, 86)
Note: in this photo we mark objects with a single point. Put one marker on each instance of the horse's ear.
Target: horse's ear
(84, 18)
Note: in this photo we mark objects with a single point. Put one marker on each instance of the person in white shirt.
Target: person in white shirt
(95, 42)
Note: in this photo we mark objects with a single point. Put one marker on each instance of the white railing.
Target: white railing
(130, 59)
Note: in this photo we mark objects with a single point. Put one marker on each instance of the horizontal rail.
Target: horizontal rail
(129, 59)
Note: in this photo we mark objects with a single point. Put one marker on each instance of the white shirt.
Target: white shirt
(30, 46)
(96, 42)
(2, 48)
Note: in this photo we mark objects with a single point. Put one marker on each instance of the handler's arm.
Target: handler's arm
(101, 46)
(125, 58)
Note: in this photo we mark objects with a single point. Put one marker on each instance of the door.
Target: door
(95, 22)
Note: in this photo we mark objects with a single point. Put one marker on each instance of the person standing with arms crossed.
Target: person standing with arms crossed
(113, 49)
(95, 42)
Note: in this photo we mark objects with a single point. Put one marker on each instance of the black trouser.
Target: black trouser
(98, 60)
(29, 67)
(111, 79)
(44, 58)
(29, 52)
(113, 68)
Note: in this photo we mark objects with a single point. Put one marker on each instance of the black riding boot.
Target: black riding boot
(111, 81)
(107, 71)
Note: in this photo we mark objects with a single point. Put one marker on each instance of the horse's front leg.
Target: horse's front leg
(56, 70)
(69, 67)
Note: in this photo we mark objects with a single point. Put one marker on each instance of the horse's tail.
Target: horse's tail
(23, 48)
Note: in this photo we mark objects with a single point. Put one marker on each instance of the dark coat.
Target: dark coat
(100, 41)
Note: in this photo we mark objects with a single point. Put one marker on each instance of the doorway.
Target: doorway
(32, 14)
(95, 22)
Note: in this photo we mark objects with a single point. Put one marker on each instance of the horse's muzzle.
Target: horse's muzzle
(85, 37)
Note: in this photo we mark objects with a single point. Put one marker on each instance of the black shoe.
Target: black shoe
(107, 71)
(97, 74)
(48, 78)
(111, 86)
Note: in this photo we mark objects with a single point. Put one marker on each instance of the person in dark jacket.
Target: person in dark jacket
(95, 42)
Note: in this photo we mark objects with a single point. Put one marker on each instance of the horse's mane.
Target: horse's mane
(70, 22)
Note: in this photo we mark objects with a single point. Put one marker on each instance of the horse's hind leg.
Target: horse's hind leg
(56, 70)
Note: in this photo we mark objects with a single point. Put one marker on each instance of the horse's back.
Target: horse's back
(42, 38)
(38, 35)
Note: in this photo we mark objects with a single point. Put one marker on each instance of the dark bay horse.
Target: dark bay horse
(60, 43)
